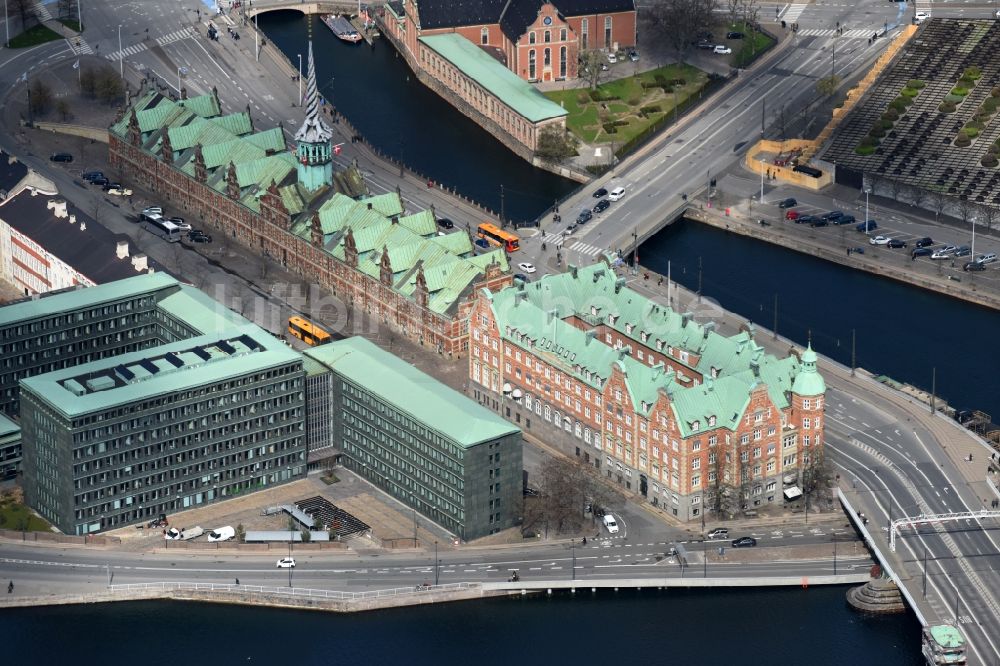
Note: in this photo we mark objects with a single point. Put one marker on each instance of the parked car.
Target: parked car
(987, 258)
(445, 223)
(151, 210)
(286, 563)
(832, 215)
(791, 214)
(181, 224)
(600, 193)
(868, 225)
(718, 533)
(963, 251)
(895, 243)
(921, 252)
(526, 267)
(944, 252)
(732, 34)
(616, 194)
(100, 181)
(120, 191)
(722, 49)
(924, 242)
(612, 58)
(705, 45)
(90, 176)
(787, 203)
(584, 216)
(111, 186)
(973, 266)
(805, 219)
(633, 56)
(602, 206)
(846, 219)
(61, 157)
(222, 534)
(199, 238)
(879, 240)
(744, 542)
(819, 222)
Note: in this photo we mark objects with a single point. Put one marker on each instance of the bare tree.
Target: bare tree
(918, 196)
(895, 186)
(965, 209)
(679, 21)
(938, 201)
(751, 11)
(733, 9)
(828, 85)
(40, 97)
(566, 487)
(990, 215)
(815, 475)
(591, 71)
(23, 10)
(67, 9)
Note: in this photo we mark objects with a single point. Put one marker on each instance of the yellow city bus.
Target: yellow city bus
(308, 332)
(497, 236)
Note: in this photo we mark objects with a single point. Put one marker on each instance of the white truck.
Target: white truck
(222, 534)
(174, 534)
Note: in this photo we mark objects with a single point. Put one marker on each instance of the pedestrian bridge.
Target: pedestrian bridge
(251, 9)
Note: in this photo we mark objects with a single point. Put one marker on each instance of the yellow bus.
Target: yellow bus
(308, 332)
(497, 236)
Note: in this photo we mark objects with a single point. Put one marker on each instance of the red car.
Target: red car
(791, 214)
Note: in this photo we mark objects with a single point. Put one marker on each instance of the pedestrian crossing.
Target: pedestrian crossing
(859, 33)
(129, 51)
(41, 12)
(79, 46)
(567, 243)
(793, 12)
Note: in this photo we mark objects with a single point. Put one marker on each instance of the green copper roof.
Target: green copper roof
(485, 70)
(205, 106)
(237, 123)
(387, 204)
(198, 310)
(409, 390)
(240, 359)
(8, 427)
(808, 381)
(84, 297)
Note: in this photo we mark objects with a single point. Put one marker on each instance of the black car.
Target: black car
(865, 227)
(200, 238)
(111, 186)
(602, 206)
(805, 219)
(600, 193)
(921, 252)
(522, 277)
(820, 223)
(61, 157)
(732, 34)
(445, 223)
(788, 203)
(896, 243)
(924, 242)
(974, 266)
(846, 219)
(963, 251)
(706, 45)
(100, 181)
(832, 215)
(744, 542)
(584, 217)
(91, 176)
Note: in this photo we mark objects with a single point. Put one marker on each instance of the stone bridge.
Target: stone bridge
(254, 7)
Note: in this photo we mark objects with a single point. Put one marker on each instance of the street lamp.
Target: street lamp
(300, 79)
(121, 54)
(437, 565)
(574, 561)
(762, 180)
(6, 24)
(973, 220)
(868, 190)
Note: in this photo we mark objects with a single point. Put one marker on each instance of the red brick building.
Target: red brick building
(664, 406)
(294, 208)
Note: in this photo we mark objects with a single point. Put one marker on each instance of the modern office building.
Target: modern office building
(430, 447)
(125, 438)
(65, 328)
(666, 407)
(10, 448)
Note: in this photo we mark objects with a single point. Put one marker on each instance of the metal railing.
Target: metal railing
(297, 592)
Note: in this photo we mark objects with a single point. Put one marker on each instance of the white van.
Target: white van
(222, 534)
(616, 194)
(610, 524)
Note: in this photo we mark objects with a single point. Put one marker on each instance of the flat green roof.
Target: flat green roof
(947, 636)
(106, 388)
(199, 310)
(507, 86)
(421, 396)
(77, 299)
(7, 427)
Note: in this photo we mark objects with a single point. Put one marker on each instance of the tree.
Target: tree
(815, 475)
(751, 10)
(895, 186)
(23, 10)
(965, 209)
(938, 201)
(918, 196)
(566, 486)
(990, 215)
(241, 533)
(591, 71)
(828, 85)
(733, 9)
(40, 97)
(67, 9)
(62, 108)
(306, 535)
(555, 144)
(678, 22)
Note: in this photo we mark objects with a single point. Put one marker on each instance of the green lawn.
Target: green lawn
(623, 99)
(16, 516)
(745, 50)
(33, 37)
(72, 24)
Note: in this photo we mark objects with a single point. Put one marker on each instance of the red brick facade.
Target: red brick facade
(268, 232)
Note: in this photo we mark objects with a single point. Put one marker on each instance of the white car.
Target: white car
(612, 58)
(173, 534)
(722, 49)
(152, 210)
(879, 240)
(286, 563)
(616, 194)
(920, 17)
(526, 267)
(944, 252)
(609, 522)
(120, 192)
(222, 534)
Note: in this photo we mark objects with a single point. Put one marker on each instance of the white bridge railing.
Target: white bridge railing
(296, 592)
(925, 520)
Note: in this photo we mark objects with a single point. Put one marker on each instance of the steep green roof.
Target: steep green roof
(485, 70)
(424, 398)
(387, 204)
(237, 123)
(205, 106)
(808, 381)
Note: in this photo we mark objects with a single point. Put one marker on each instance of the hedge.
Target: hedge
(989, 160)
(865, 150)
(915, 83)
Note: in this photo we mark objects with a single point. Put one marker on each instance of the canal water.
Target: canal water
(718, 627)
(376, 91)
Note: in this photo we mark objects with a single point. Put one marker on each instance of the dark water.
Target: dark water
(384, 101)
(722, 627)
(901, 331)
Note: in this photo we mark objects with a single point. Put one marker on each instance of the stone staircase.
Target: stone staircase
(879, 596)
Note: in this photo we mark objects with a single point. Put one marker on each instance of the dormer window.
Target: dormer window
(628, 328)
(711, 421)
(612, 318)
(644, 336)
(659, 345)
(593, 310)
